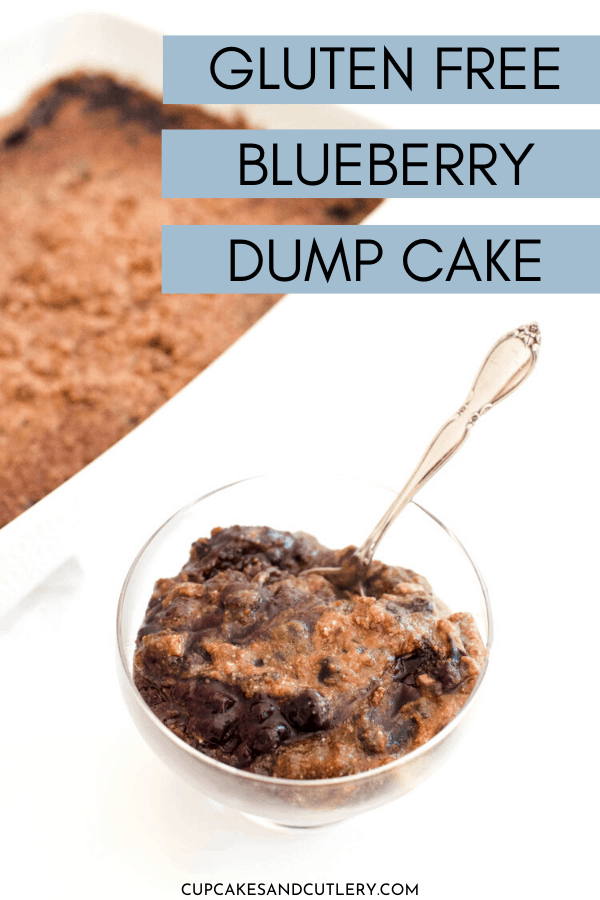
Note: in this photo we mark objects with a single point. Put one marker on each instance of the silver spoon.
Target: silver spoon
(506, 366)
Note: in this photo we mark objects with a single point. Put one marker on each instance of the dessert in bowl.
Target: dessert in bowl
(278, 693)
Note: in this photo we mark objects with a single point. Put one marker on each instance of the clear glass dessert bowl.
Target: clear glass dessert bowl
(338, 511)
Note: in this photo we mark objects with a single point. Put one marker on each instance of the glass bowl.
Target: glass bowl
(339, 511)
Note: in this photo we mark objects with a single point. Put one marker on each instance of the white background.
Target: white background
(88, 810)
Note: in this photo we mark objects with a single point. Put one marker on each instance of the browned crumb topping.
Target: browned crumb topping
(89, 346)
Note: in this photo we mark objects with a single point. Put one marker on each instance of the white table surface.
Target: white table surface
(93, 811)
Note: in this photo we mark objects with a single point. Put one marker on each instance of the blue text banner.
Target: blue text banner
(376, 163)
(424, 69)
(380, 259)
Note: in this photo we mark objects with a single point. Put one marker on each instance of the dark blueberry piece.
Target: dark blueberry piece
(231, 744)
(329, 671)
(343, 212)
(309, 711)
(411, 662)
(247, 730)
(403, 732)
(215, 729)
(150, 628)
(261, 708)
(340, 212)
(45, 111)
(182, 691)
(243, 756)
(417, 604)
(269, 737)
(406, 694)
(16, 137)
(72, 87)
(104, 92)
(214, 698)
(447, 674)
(259, 663)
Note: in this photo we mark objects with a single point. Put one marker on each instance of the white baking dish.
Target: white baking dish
(39, 540)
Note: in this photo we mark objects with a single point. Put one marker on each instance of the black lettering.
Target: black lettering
(504, 69)
(442, 68)
(479, 70)
(327, 272)
(382, 162)
(232, 272)
(316, 181)
(339, 163)
(492, 260)
(244, 163)
(399, 892)
(272, 272)
(276, 180)
(449, 166)
(405, 76)
(455, 266)
(539, 68)
(332, 51)
(360, 262)
(406, 163)
(183, 887)
(263, 65)
(412, 890)
(517, 162)
(354, 69)
(416, 277)
(286, 70)
(522, 259)
(483, 167)
(246, 72)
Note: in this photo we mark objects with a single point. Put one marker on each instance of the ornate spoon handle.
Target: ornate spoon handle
(506, 366)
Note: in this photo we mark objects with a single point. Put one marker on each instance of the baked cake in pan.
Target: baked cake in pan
(89, 346)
